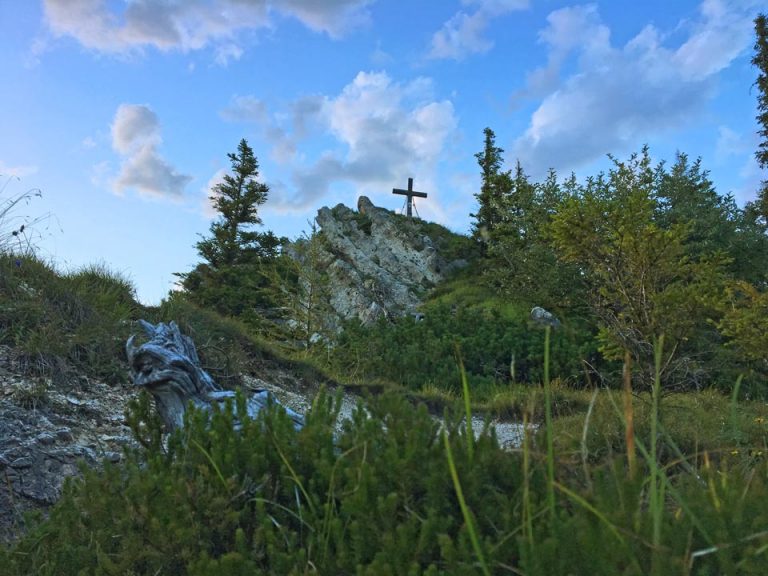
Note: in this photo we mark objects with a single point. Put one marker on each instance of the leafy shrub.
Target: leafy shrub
(379, 498)
(492, 337)
(269, 500)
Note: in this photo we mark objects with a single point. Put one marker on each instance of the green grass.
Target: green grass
(395, 492)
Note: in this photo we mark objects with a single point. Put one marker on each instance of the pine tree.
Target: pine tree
(760, 207)
(312, 297)
(242, 271)
(494, 184)
(237, 199)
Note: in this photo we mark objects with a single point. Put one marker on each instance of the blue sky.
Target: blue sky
(123, 112)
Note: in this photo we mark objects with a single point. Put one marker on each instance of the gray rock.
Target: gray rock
(46, 439)
(544, 317)
(379, 264)
(41, 446)
(64, 434)
(21, 463)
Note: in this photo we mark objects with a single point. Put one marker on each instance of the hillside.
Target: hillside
(452, 365)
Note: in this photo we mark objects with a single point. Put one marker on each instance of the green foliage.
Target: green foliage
(449, 245)
(757, 210)
(237, 199)
(690, 423)
(311, 301)
(64, 322)
(521, 260)
(387, 496)
(686, 197)
(760, 61)
(243, 273)
(492, 336)
(645, 278)
(745, 324)
(270, 500)
(494, 186)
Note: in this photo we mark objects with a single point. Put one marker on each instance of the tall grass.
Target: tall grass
(16, 231)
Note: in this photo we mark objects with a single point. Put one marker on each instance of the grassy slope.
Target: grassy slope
(62, 324)
(704, 493)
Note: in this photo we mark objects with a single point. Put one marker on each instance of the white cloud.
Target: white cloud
(372, 136)
(136, 136)
(464, 33)
(283, 131)
(209, 211)
(245, 109)
(15, 171)
(388, 131)
(618, 96)
(133, 127)
(334, 17)
(191, 24)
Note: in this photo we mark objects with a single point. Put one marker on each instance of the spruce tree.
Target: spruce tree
(760, 207)
(494, 184)
(242, 270)
(237, 199)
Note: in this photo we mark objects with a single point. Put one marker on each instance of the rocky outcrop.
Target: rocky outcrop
(45, 433)
(378, 263)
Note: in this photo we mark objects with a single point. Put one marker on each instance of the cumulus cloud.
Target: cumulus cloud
(190, 25)
(387, 132)
(283, 130)
(464, 33)
(136, 136)
(371, 136)
(621, 94)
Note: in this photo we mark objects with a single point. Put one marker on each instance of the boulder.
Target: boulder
(379, 264)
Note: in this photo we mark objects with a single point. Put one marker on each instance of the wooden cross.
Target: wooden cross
(410, 193)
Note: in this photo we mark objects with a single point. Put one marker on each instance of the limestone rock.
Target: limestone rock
(379, 264)
(45, 433)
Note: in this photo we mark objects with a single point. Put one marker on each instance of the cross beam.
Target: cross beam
(410, 193)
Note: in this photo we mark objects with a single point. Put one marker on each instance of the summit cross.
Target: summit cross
(410, 193)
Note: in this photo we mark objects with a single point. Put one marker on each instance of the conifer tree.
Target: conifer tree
(494, 185)
(242, 271)
(760, 207)
(237, 200)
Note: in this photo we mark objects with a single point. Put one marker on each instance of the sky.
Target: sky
(122, 112)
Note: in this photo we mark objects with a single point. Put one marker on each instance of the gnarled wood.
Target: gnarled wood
(168, 367)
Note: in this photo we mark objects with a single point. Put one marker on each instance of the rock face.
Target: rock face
(378, 263)
(45, 433)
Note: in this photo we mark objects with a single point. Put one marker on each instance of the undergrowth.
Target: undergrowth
(396, 492)
(62, 325)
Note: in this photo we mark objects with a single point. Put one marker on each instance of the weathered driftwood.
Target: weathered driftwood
(544, 317)
(168, 367)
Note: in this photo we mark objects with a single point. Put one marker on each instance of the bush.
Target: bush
(269, 500)
(464, 321)
(379, 498)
